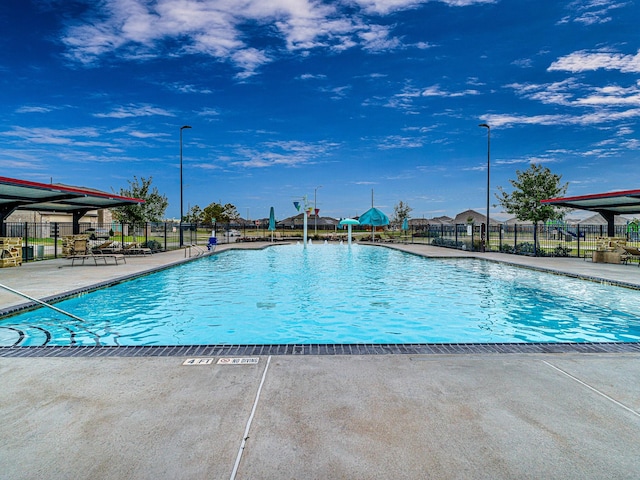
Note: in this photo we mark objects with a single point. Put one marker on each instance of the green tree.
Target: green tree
(153, 208)
(221, 213)
(532, 185)
(194, 215)
(401, 211)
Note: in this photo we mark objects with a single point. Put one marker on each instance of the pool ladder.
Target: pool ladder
(199, 251)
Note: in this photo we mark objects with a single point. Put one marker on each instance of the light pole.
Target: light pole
(485, 244)
(315, 210)
(181, 199)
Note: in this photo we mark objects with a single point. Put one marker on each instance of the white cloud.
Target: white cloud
(436, 91)
(583, 61)
(597, 117)
(591, 12)
(310, 76)
(249, 60)
(337, 93)
(388, 6)
(607, 103)
(208, 112)
(558, 93)
(52, 136)
(409, 96)
(612, 95)
(282, 153)
(187, 88)
(34, 109)
(134, 111)
(523, 63)
(139, 134)
(145, 29)
(398, 141)
(377, 38)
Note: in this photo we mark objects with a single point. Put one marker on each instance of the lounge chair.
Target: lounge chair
(103, 247)
(116, 257)
(630, 253)
(135, 249)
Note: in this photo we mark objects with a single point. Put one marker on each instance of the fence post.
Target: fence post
(55, 239)
(165, 236)
(515, 238)
(25, 252)
(578, 234)
(473, 231)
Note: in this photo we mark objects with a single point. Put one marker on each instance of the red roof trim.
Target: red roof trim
(621, 193)
(52, 187)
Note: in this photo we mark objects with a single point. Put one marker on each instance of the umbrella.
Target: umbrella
(375, 218)
(349, 222)
(272, 222)
(405, 227)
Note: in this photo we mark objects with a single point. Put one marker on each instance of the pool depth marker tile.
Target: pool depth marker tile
(198, 361)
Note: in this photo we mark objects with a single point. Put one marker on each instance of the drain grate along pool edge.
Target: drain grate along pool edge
(318, 349)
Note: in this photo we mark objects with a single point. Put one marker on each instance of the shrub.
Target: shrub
(445, 242)
(154, 245)
(507, 249)
(561, 251)
(525, 249)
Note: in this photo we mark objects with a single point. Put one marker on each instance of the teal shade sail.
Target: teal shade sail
(373, 217)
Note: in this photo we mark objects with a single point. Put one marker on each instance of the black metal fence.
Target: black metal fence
(546, 240)
(45, 240)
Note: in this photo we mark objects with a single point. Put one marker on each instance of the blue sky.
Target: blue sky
(338, 99)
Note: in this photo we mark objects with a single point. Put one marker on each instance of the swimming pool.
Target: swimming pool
(336, 295)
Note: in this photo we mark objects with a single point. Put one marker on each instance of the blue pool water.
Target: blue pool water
(335, 294)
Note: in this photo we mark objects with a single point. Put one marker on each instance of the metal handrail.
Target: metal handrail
(44, 304)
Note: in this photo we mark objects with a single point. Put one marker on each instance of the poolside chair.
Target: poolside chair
(135, 249)
(102, 248)
(630, 253)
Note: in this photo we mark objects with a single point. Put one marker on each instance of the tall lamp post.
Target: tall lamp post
(315, 210)
(485, 244)
(181, 198)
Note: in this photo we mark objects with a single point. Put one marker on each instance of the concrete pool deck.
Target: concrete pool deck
(493, 416)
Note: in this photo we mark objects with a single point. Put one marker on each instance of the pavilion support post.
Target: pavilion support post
(611, 225)
(77, 215)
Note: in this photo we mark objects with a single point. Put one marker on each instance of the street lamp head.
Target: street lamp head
(484, 125)
(185, 126)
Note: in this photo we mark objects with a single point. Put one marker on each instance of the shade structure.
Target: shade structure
(375, 218)
(349, 222)
(272, 222)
